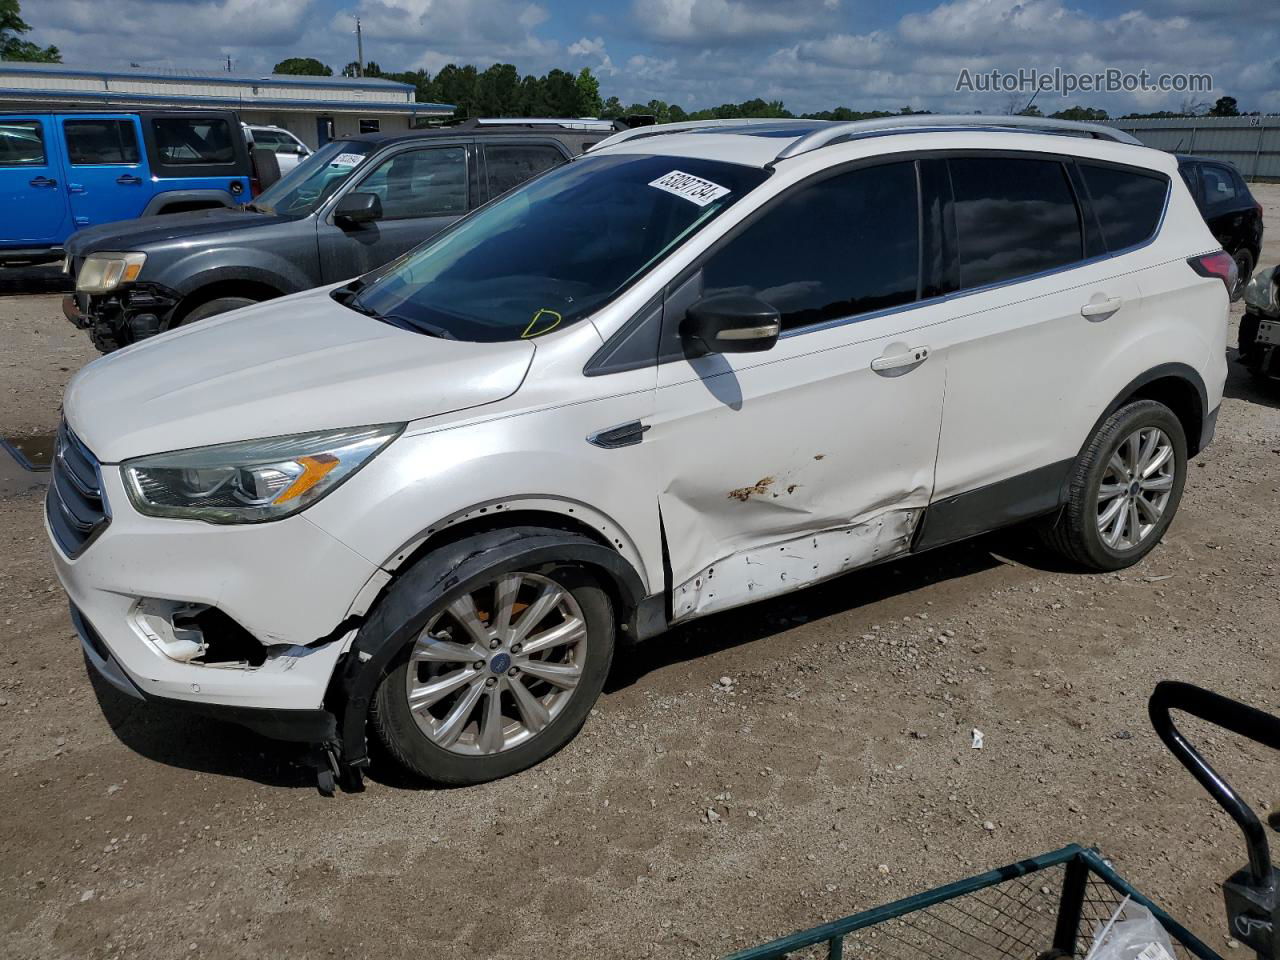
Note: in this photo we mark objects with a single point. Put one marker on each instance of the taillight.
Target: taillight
(1219, 264)
(255, 187)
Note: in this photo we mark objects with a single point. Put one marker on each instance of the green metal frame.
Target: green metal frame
(1080, 863)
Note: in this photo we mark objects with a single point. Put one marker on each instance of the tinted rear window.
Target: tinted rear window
(1128, 203)
(1014, 218)
(193, 141)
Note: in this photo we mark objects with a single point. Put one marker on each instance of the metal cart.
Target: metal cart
(1053, 906)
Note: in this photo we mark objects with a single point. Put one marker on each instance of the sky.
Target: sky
(810, 54)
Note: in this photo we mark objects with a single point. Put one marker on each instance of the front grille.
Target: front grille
(75, 506)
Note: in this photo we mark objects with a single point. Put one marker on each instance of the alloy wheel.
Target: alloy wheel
(1135, 488)
(498, 665)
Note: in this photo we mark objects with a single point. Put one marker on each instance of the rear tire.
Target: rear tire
(212, 308)
(1124, 489)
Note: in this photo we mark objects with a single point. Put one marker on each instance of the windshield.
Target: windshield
(555, 249)
(313, 180)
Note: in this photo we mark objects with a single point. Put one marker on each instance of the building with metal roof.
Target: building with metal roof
(317, 109)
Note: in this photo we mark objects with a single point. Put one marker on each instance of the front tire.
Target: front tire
(500, 678)
(214, 307)
(1124, 489)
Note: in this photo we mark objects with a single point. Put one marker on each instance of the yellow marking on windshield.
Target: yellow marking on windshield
(529, 331)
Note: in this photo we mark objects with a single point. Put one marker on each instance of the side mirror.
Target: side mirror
(358, 208)
(731, 323)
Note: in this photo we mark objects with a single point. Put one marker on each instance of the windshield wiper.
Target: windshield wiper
(258, 209)
(418, 326)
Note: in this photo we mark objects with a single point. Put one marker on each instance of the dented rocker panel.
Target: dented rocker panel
(778, 568)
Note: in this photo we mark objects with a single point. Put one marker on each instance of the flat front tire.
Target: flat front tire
(1124, 489)
(501, 677)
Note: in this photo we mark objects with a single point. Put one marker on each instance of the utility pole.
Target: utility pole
(228, 63)
(359, 50)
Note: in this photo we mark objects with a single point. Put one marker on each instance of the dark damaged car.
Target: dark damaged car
(351, 207)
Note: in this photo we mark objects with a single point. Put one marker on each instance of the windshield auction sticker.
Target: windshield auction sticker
(346, 159)
(691, 188)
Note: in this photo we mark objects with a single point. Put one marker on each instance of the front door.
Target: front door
(789, 466)
(422, 191)
(107, 174)
(31, 183)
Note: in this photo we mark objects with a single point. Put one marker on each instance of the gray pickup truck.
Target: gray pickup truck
(349, 208)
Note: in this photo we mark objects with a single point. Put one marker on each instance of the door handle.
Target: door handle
(900, 363)
(1101, 308)
(43, 182)
(128, 178)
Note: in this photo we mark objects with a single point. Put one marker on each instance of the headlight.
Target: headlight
(254, 481)
(103, 272)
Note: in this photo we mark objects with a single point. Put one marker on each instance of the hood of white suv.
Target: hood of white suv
(287, 366)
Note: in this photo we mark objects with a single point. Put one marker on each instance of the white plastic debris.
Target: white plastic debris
(977, 739)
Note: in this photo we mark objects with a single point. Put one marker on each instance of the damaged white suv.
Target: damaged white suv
(697, 367)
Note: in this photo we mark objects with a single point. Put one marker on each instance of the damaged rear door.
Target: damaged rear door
(786, 467)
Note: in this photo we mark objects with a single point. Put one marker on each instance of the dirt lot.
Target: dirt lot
(837, 759)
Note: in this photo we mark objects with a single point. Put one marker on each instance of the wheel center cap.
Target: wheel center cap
(501, 663)
(1134, 488)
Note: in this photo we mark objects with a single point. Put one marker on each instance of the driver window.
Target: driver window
(430, 182)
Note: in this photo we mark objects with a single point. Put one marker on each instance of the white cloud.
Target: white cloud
(162, 31)
(708, 22)
(594, 49)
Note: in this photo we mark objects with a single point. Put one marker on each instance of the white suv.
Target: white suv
(697, 367)
(289, 150)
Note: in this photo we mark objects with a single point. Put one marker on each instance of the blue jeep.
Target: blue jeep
(60, 173)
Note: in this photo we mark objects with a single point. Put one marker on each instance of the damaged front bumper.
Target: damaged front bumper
(117, 319)
(247, 623)
(300, 725)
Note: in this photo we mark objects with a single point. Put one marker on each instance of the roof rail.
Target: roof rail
(919, 122)
(659, 129)
(567, 123)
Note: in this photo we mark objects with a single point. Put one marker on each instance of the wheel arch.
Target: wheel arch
(229, 282)
(1179, 387)
(462, 561)
(187, 200)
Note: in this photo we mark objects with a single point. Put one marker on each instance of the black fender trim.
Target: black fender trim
(442, 577)
(236, 271)
(221, 198)
(1177, 370)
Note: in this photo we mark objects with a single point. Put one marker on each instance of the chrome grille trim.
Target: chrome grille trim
(75, 507)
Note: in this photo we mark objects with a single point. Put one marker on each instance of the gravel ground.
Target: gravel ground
(836, 759)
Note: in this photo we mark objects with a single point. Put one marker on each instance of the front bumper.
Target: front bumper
(122, 317)
(302, 726)
(288, 584)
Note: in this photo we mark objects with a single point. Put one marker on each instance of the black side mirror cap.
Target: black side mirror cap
(358, 208)
(731, 323)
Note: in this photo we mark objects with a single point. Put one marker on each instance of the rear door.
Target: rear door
(1039, 310)
(31, 182)
(423, 188)
(107, 174)
(507, 164)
